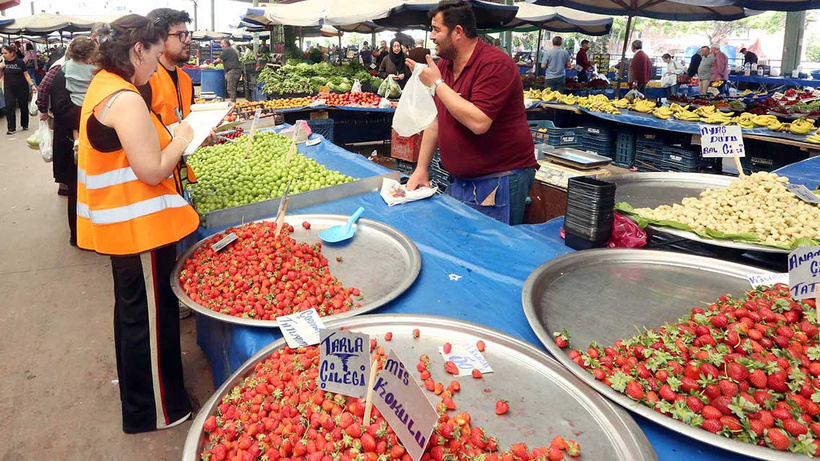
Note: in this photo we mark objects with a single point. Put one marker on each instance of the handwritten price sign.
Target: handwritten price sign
(301, 329)
(344, 362)
(804, 272)
(467, 357)
(721, 141)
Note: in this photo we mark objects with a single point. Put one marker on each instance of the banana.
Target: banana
(706, 111)
(815, 139)
(687, 115)
(763, 120)
(802, 126)
(643, 106)
(663, 112)
(775, 125)
(675, 107)
(744, 123)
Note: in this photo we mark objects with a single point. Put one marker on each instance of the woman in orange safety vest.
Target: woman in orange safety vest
(129, 207)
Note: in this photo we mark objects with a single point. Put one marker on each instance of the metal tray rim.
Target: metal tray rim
(405, 242)
(688, 178)
(630, 435)
(599, 256)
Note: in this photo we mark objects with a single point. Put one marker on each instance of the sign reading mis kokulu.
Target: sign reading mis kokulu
(344, 362)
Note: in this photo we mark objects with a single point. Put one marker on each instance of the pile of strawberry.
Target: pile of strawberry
(279, 412)
(746, 369)
(264, 276)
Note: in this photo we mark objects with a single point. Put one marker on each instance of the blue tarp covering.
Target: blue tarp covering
(806, 172)
(650, 121)
(775, 80)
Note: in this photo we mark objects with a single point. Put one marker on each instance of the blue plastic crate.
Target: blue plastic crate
(624, 149)
(604, 148)
(322, 126)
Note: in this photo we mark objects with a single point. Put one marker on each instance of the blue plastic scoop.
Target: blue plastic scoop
(341, 232)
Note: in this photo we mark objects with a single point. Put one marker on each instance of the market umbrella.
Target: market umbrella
(315, 13)
(46, 23)
(413, 15)
(5, 4)
(207, 35)
(558, 19)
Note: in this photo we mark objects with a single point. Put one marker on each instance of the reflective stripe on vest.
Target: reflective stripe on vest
(132, 211)
(111, 178)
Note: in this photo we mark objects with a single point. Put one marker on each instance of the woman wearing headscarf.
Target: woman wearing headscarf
(394, 65)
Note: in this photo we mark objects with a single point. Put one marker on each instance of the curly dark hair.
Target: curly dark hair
(168, 17)
(119, 37)
(456, 13)
(81, 49)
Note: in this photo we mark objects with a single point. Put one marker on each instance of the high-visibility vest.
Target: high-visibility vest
(165, 97)
(117, 214)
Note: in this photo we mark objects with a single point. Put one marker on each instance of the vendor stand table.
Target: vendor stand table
(195, 74)
(473, 269)
(777, 82)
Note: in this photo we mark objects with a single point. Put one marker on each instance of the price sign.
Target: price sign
(225, 241)
(344, 362)
(804, 272)
(467, 357)
(768, 280)
(803, 193)
(721, 141)
(404, 405)
(301, 329)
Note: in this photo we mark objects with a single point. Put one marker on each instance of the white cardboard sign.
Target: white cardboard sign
(404, 405)
(768, 279)
(467, 357)
(225, 241)
(804, 272)
(344, 364)
(721, 141)
(301, 329)
(803, 193)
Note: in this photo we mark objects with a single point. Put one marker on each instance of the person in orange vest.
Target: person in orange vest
(170, 91)
(130, 208)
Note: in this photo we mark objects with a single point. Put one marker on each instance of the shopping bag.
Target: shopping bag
(32, 106)
(44, 137)
(669, 80)
(357, 87)
(416, 109)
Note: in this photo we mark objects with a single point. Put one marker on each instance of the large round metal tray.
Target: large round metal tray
(650, 190)
(604, 295)
(379, 260)
(545, 399)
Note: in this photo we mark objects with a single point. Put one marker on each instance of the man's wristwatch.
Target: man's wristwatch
(436, 84)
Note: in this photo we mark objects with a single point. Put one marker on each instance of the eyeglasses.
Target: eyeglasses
(182, 36)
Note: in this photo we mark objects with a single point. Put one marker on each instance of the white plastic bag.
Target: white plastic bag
(357, 87)
(416, 109)
(32, 106)
(634, 94)
(394, 193)
(44, 136)
(669, 80)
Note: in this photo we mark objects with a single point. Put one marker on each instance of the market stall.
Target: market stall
(775, 82)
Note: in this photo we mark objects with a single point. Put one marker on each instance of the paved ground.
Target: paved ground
(58, 397)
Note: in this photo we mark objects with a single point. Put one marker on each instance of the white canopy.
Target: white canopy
(45, 23)
(559, 19)
(315, 13)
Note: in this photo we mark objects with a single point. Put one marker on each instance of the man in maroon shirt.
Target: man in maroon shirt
(641, 66)
(582, 61)
(481, 129)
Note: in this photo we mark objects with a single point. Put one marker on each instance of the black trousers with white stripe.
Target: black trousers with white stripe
(146, 335)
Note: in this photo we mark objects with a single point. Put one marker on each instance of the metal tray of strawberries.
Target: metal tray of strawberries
(381, 261)
(545, 400)
(609, 294)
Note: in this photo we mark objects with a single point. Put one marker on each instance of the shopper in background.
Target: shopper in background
(263, 48)
(555, 64)
(720, 67)
(694, 64)
(30, 58)
(395, 67)
(582, 64)
(748, 57)
(366, 55)
(65, 106)
(641, 67)
(130, 207)
(419, 53)
(672, 69)
(17, 84)
(481, 128)
(233, 68)
(380, 53)
(705, 69)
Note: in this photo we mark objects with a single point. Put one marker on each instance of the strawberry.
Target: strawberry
(416, 333)
(451, 367)
(480, 345)
(778, 382)
(634, 390)
(501, 407)
(561, 339)
(777, 439)
(554, 454)
(397, 451)
(559, 443)
(794, 428)
(210, 424)
(388, 336)
(736, 371)
(757, 427)
(447, 348)
(306, 224)
(430, 384)
(368, 443)
(573, 448)
(710, 412)
(728, 388)
(758, 379)
(476, 373)
(667, 393)
(712, 425)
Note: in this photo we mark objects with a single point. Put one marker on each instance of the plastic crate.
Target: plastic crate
(405, 148)
(624, 149)
(322, 126)
(597, 133)
(535, 125)
(605, 148)
(405, 167)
